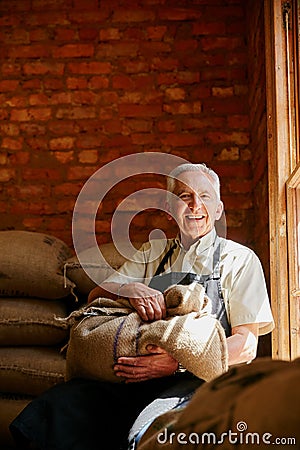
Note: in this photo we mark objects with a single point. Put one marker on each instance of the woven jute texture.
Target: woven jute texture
(105, 330)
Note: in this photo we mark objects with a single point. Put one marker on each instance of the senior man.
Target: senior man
(88, 414)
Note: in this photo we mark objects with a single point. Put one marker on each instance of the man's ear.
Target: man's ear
(219, 210)
(168, 211)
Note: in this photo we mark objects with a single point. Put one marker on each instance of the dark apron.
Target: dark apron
(211, 283)
(180, 394)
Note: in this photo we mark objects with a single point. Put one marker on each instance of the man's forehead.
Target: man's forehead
(193, 179)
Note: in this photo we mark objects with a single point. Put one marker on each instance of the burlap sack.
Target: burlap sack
(30, 321)
(109, 329)
(10, 406)
(30, 370)
(89, 268)
(30, 265)
(251, 406)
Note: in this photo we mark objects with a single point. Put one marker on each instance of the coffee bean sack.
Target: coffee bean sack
(31, 321)
(30, 265)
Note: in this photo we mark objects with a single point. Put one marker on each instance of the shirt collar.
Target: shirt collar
(201, 244)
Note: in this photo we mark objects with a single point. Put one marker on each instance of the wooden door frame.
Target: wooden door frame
(282, 156)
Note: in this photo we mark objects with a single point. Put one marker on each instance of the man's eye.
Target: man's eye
(185, 196)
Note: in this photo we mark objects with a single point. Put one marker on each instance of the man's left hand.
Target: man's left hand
(141, 368)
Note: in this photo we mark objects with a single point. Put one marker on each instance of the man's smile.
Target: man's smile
(195, 216)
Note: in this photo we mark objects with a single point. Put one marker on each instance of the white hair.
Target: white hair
(189, 167)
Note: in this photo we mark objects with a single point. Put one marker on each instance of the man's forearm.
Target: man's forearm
(242, 344)
(107, 290)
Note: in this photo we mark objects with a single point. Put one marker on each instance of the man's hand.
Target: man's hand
(142, 368)
(148, 303)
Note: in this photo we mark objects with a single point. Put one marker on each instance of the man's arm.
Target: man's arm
(148, 303)
(242, 344)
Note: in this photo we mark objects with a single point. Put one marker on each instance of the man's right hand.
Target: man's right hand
(148, 303)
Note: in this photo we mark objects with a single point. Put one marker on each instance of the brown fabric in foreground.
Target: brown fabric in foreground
(256, 405)
(109, 329)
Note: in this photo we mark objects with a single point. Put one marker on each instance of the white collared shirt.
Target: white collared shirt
(242, 278)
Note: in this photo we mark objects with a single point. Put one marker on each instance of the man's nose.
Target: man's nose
(196, 203)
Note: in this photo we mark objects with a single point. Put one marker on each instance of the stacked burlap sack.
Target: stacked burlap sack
(251, 406)
(33, 293)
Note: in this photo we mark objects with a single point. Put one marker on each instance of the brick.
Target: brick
(138, 66)
(62, 143)
(76, 113)
(164, 64)
(209, 28)
(64, 157)
(175, 93)
(155, 47)
(109, 34)
(89, 141)
(33, 223)
(88, 34)
(12, 144)
(39, 34)
(38, 99)
(54, 84)
(38, 174)
(76, 83)
(179, 14)
(85, 98)
(238, 137)
(143, 139)
(117, 49)
(61, 98)
(17, 102)
(8, 85)
(182, 140)
(43, 68)
(44, 18)
(190, 45)
(7, 175)
(182, 108)
(80, 172)
(179, 77)
(10, 129)
(32, 84)
(219, 43)
(132, 110)
(73, 51)
(99, 16)
(3, 159)
(94, 67)
(167, 126)
(11, 68)
(98, 83)
(133, 15)
(37, 143)
(223, 91)
(88, 156)
(229, 154)
(28, 51)
(32, 128)
(65, 34)
(156, 32)
(240, 186)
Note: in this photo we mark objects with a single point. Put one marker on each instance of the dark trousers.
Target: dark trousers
(90, 415)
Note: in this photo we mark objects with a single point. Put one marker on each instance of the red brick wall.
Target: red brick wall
(84, 82)
(258, 128)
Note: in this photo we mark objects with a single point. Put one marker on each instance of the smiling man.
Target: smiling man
(81, 414)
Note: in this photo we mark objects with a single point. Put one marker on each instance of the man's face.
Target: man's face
(196, 207)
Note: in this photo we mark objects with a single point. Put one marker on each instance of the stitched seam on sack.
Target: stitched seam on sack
(116, 339)
(33, 372)
(32, 322)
